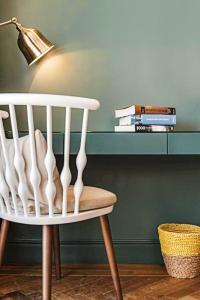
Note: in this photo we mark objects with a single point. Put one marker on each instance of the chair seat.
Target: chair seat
(91, 198)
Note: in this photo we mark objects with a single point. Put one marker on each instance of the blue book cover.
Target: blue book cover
(148, 120)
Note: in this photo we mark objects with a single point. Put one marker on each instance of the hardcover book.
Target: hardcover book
(146, 109)
(144, 128)
(148, 120)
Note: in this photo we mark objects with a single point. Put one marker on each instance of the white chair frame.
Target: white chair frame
(51, 220)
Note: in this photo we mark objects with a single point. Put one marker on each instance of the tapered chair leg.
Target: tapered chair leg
(3, 238)
(46, 262)
(105, 227)
(56, 250)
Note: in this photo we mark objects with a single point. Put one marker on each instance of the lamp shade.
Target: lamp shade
(32, 43)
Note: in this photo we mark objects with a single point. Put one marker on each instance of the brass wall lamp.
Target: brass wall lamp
(32, 43)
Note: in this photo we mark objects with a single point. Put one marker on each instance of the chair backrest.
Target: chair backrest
(7, 184)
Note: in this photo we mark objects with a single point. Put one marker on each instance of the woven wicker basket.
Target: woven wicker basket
(180, 246)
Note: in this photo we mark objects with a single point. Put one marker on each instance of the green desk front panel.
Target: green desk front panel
(58, 140)
(184, 143)
(111, 143)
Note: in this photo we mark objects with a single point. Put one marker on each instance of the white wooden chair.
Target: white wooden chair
(9, 196)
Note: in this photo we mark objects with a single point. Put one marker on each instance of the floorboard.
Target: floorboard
(93, 282)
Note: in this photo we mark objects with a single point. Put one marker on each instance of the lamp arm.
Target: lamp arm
(6, 23)
(12, 21)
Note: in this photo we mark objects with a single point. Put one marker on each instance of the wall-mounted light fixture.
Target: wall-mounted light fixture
(32, 43)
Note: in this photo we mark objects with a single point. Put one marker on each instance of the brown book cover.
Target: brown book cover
(144, 109)
(147, 109)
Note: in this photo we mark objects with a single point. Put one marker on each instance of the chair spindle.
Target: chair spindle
(19, 162)
(50, 162)
(81, 161)
(66, 174)
(35, 177)
(4, 190)
(9, 176)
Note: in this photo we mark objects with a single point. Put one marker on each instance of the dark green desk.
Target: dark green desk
(111, 143)
(114, 143)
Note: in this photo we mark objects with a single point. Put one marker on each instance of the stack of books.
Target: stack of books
(137, 118)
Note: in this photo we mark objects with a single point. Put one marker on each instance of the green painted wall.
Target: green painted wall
(120, 52)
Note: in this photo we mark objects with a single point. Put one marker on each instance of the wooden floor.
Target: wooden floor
(93, 282)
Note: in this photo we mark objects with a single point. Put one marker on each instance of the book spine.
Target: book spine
(148, 120)
(153, 128)
(154, 110)
(158, 120)
(144, 128)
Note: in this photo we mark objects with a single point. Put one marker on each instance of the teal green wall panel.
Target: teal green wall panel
(120, 52)
(108, 143)
(184, 143)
